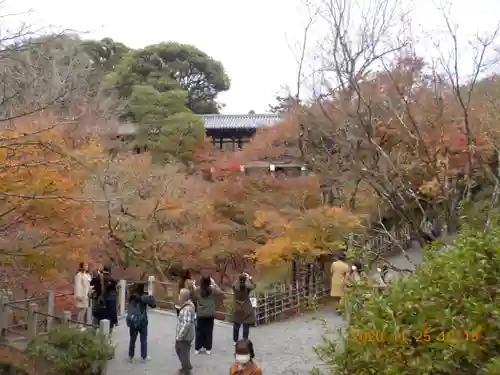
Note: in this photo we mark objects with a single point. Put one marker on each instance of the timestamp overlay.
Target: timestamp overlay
(408, 336)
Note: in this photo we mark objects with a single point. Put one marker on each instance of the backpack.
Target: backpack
(136, 315)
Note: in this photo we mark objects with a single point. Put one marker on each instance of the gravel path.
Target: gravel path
(282, 348)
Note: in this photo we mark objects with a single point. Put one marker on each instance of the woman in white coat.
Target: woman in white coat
(82, 291)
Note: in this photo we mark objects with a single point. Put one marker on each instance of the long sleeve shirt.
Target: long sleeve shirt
(185, 323)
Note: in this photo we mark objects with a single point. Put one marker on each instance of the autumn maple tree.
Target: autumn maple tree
(43, 223)
(145, 212)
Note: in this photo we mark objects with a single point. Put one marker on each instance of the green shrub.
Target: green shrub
(7, 368)
(449, 312)
(72, 352)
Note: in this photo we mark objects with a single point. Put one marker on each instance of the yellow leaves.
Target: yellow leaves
(268, 219)
(318, 231)
(430, 188)
(168, 204)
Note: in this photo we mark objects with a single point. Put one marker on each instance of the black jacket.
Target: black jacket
(109, 282)
(110, 310)
(145, 300)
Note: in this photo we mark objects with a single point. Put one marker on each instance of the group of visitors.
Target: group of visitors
(343, 274)
(96, 291)
(196, 312)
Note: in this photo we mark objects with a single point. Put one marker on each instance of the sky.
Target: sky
(257, 41)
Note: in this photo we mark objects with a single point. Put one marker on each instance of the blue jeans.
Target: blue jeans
(143, 338)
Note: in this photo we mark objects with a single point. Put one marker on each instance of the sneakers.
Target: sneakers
(143, 360)
(202, 350)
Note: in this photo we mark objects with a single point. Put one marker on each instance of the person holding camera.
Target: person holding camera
(137, 319)
(243, 312)
(205, 299)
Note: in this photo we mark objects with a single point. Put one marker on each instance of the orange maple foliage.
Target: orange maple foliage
(399, 140)
(145, 213)
(271, 220)
(318, 232)
(42, 212)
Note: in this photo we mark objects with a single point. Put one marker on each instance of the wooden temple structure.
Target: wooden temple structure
(231, 132)
(227, 132)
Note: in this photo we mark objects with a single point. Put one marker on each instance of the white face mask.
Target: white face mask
(242, 359)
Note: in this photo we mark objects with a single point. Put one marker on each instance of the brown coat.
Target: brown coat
(243, 312)
(340, 272)
(252, 369)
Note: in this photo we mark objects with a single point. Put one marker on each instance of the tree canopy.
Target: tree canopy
(62, 197)
(163, 86)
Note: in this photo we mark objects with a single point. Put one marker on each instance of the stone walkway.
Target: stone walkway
(282, 348)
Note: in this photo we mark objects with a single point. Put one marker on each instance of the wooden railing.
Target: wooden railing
(24, 319)
(280, 302)
(28, 318)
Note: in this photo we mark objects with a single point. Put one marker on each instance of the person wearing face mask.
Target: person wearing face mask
(244, 359)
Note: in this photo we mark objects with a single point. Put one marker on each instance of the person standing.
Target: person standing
(205, 299)
(185, 331)
(82, 291)
(357, 272)
(106, 297)
(340, 271)
(243, 312)
(137, 320)
(186, 282)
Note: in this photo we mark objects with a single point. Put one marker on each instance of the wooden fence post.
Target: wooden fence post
(104, 327)
(297, 290)
(256, 309)
(66, 320)
(122, 297)
(32, 320)
(266, 308)
(151, 280)
(104, 330)
(89, 316)
(4, 317)
(51, 301)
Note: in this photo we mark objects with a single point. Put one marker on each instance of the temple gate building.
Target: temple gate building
(231, 132)
(227, 132)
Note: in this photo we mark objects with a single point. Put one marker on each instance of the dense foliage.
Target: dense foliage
(72, 352)
(443, 320)
(63, 98)
(7, 368)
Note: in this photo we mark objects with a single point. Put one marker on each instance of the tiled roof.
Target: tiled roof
(222, 122)
(240, 121)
